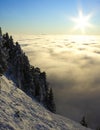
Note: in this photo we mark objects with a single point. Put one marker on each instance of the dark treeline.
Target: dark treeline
(31, 80)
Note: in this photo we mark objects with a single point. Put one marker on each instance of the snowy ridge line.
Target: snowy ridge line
(20, 112)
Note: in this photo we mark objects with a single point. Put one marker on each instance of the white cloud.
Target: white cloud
(72, 65)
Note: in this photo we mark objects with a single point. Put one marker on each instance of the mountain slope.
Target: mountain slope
(20, 112)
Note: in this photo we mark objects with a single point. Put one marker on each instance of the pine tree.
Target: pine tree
(83, 122)
(0, 32)
(31, 80)
(51, 104)
(3, 58)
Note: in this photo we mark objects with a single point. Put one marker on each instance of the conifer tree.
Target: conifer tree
(3, 56)
(0, 32)
(2, 60)
(51, 104)
(31, 80)
(83, 122)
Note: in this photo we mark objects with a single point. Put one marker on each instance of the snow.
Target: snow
(20, 112)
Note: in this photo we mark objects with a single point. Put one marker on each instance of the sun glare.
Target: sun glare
(82, 22)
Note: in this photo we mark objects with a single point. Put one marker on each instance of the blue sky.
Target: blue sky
(46, 16)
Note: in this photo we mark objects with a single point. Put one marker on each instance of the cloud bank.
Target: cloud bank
(72, 64)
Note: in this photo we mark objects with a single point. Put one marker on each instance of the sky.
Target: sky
(48, 16)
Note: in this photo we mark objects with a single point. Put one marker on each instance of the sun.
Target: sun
(82, 22)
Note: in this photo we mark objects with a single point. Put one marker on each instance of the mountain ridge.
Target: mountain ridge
(18, 111)
(15, 64)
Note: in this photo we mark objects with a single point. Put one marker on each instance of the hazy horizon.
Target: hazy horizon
(50, 16)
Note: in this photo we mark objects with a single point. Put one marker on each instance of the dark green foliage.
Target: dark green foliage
(0, 32)
(51, 104)
(83, 122)
(43, 93)
(31, 80)
(3, 55)
(3, 62)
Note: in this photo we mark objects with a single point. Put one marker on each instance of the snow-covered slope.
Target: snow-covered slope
(20, 112)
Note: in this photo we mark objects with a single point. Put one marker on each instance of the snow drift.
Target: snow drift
(20, 112)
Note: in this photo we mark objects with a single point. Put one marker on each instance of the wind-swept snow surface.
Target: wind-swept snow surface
(20, 112)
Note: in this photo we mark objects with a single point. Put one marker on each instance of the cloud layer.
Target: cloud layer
(72, 64)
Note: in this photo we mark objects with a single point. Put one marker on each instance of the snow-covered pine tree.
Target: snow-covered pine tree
(31, 80)
(28, 81)
(35, 72)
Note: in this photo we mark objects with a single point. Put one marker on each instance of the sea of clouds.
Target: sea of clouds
(72, 64)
